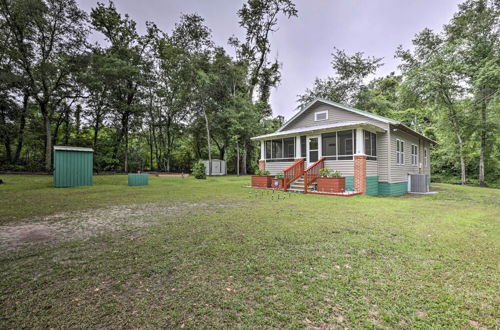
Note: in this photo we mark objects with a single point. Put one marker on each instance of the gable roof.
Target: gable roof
(360, 112)
(319, 129)
(341, 106)
(67, 148)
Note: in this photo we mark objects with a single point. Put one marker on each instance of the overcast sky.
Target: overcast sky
(304, 44)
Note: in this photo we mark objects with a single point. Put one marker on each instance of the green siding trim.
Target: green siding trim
(392, 189)
(73, 168)
(138, 179)
(349, 183)
(372, 185)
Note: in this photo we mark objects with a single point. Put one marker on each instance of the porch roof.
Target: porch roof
(321, 129)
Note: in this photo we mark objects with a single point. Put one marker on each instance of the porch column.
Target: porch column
(297, 147)
(262, 161)
(360, 142)
(360, 163)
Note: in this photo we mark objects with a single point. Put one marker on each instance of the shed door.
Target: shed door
(215, 167)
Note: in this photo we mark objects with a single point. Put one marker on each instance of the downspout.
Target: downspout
(389, 154)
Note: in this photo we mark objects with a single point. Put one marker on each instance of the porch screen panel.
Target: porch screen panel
(277, 149)
(303, 148)
(329, 145)
(268, 149)
(346, 144)
(370, 145)
(289, 148)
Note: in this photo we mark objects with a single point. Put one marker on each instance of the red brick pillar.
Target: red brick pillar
(262, 165)
(360, 173)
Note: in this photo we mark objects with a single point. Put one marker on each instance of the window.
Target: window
(289, 148)
(320, 115)
(329, 144)
(268, 149)
(345, 140)
(425, 157)
(303, 148)
(400, 152)
(414, 154)
(280, 149)
(370, 145)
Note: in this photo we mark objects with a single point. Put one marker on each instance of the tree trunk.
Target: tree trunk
(22, 124)
(483, 145)
(244, 161)
(5, 135)
(462, 160)
(208, 143)
(125, 160)
(48, 137)
(237, 158)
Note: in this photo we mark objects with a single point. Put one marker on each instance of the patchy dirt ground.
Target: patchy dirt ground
(90, 223)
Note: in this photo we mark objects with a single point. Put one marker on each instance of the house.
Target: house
(374, 153)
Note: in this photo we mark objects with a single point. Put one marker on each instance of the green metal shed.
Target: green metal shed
(73, 166)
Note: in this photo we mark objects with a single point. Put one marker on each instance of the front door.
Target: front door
(313, 149)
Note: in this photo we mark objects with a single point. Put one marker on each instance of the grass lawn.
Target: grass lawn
(209, 253)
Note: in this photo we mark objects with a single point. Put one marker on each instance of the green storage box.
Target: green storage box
(138, 179)
(73, 166)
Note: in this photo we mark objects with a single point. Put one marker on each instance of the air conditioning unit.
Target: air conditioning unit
(418, 183)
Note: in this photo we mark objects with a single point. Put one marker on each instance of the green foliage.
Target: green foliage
(280, 175)
(262, 172)
(329, 173)
(199, 170)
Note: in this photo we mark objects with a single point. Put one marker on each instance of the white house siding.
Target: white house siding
(345, 167)
(382, 155)
(276, 167)
(371, 168)
(335, 115)
(399, 173)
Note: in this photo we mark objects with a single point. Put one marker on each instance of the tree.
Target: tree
(260, 18)
(123, 69)
(45, 42)
(430, 72)
(348, 81)
(474, 35)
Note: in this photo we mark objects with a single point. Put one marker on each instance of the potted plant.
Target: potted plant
(262, 179)
(279, 180)
(330, 181)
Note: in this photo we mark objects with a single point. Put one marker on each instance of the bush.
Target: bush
(329, 173)
(199, 170)
(262, 172)
(280, 175)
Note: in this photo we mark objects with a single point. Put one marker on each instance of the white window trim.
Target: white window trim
(414, 155)
(283, 149)
(400, 155)
(425, 157)
(320, 112)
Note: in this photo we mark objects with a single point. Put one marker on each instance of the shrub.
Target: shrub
(329, 173)
(199, 170)
(280, 175)
(262, 172)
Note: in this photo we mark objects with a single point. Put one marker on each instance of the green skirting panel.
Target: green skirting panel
(392, 189)
(349, 183)
(138, 179)
(372, 185)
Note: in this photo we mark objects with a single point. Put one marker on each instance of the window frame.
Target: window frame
(400, 152)
(282, 158)
(373, 145)
(337, 146)
(320, 112)
(414, 155)
(425, 157)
